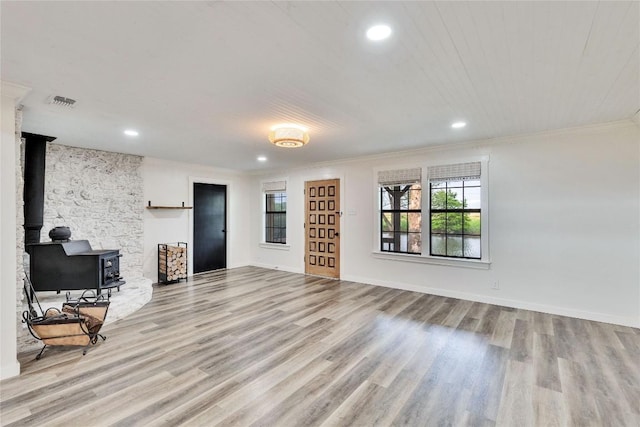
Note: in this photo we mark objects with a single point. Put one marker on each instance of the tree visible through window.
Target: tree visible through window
(401, 218)
(276, 218)
(455, 218)
(453, 204)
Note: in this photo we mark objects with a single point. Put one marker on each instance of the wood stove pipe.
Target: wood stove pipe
(34, 168)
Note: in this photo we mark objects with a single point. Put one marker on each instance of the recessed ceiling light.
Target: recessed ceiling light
(458, 125)
(131, 132)
(378, 32)
(262, 159)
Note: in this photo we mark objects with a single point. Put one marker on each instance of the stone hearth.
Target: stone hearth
(131, 297)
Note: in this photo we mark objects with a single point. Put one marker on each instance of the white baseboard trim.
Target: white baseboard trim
(9, 370)
(543, 308)
(278, 267)
(505, 302)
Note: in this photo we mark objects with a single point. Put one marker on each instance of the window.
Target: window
(400, 211)
(275, 213)
(455, 211)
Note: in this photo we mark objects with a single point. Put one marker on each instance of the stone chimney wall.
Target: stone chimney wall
(98, 195)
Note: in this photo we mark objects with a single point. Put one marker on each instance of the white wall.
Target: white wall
(564, 230)
(9, 264)
(170, 183)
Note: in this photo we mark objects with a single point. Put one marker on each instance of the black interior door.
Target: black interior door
(209, 227)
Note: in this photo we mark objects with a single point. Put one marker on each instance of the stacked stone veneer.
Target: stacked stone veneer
(98, 195)
(22, 334)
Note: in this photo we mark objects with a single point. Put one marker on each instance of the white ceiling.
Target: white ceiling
(204, 81)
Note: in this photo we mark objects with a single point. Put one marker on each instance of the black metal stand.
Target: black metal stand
(80, 318)
(165, 274)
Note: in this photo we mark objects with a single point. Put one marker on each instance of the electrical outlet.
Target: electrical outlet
(495, 285)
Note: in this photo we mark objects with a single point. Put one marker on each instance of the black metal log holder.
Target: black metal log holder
(166, 265)
(77, 324)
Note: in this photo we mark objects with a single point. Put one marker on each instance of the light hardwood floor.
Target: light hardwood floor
(256, 347)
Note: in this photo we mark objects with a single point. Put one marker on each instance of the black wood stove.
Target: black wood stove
(72, 264)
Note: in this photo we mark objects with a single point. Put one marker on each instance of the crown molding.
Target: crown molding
(473, 144)
(13, 90)
(175, 163)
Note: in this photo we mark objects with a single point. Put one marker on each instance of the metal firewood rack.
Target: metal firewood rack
(172, 262)
(77, 324)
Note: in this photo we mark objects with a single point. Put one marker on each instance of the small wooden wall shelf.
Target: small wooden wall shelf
(149, 206)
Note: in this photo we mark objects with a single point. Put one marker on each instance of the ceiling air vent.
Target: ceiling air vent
(61, 101)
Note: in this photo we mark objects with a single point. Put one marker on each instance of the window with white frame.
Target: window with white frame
(400, 195)
(455, 210)
(275, 212)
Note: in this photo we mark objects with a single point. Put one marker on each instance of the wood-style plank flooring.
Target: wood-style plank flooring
(256, 347)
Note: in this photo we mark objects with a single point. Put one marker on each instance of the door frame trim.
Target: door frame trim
(301, 240)
(200, 180)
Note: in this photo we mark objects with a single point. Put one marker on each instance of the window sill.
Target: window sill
(277, 246)
(425, 259)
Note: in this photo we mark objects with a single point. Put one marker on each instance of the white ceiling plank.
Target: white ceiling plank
(607, 54)
(621, 93)
(204, 81)
(461, 30)
(576, 73)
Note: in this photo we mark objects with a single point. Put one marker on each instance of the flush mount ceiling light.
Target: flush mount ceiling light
(289, 135)
(458, 125)
(378, 32)
(262, 159)
(131, 132)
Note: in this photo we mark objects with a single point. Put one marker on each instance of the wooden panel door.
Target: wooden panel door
(322, 226)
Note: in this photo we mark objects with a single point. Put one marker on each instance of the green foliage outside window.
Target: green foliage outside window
(452, 222)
